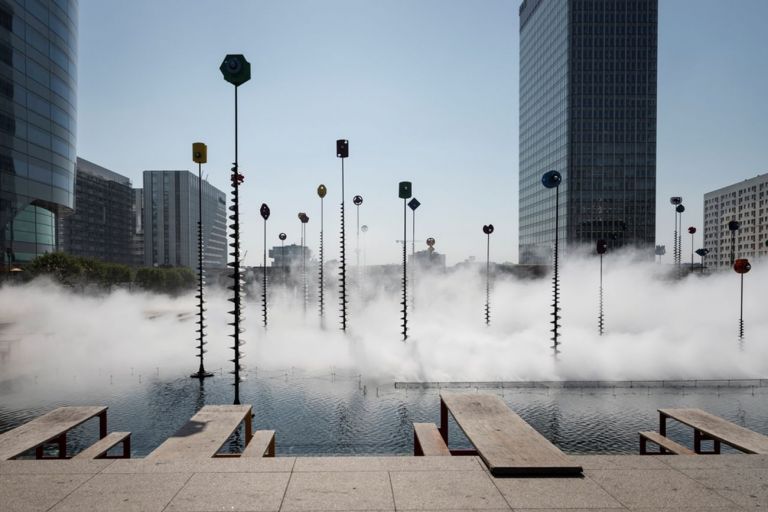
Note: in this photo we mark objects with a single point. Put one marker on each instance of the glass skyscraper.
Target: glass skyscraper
(38, 84)
(588, 110)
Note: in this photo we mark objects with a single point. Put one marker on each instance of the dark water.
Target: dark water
(322, 414)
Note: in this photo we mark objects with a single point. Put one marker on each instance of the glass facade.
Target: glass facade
(103, 223)
(588, 109)
(38, 84)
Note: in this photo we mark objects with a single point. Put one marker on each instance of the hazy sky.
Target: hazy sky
(425, 90)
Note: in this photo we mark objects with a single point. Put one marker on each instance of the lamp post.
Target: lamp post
(405, 192)
(342, 152)
(675, 201)
(364, 229)
(679, 209)
(703, 253)
(264, 211)
(741, 267)
(660, 251)
(692, 231)
(282, 237)
(200, 156)
(236, 70)
(488, 229)
(602, 247)
(552, 179)
(321, 192)
(304, 218)
(733, 227)
(413, 204)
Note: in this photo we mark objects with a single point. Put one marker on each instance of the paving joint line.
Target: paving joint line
(78, 486)
(180, 489)
(287, 484)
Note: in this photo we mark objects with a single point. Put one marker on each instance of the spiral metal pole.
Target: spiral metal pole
(556, 278)
(488, 280)
(304, 264)
(236, 275)
(741, 311)
(404, 302)
(674, 242)
(343, 260)
(321, 276)
(264, 279)
(600, 321)
(201, 373)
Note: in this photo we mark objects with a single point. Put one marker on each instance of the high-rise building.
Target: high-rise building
(588, 110)
(745, 202)
(170, 221)
(102, 225)
(38, 76)
(137, 238)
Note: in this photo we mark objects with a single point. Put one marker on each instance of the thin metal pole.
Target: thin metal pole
(741, 311)
(201, 373)
(322, 292)
(236, 266)
(405, 270)
(487, 279)
(692, 241)
(304, 263)
(555, 277)
(600, 322)
(343, 262)
(264, 280)
(285, 267)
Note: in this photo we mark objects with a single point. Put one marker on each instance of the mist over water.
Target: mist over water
(656, 328)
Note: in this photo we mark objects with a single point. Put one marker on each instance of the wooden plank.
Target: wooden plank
(205, 433)
(102, 446)
(45, 429)
(262, 444)
(720, 430)
(664, 442)
(507, 444)
(427, 441)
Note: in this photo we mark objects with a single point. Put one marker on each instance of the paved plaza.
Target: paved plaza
(722, 483)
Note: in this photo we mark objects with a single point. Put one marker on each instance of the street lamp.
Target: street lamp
(236, 70)
(405, 192)
(342, 152)
(733, 227)
(321, 192)
(602, 247)
(552, 179)
(200, 156)
(741, 267)
(264, 211)
(488, 229)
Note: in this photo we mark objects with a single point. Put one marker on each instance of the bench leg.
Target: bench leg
(417, 451)
(62, 442)
(271, 448)
(444, 421)
(643, 446)
(127, 447)
(102, 425)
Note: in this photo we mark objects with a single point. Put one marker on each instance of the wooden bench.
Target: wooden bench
(49, 428)
(99, 449)
(262, 444)
(205, 433)
(505, 442)
(707, 426)
(428, 441)
(666, 445)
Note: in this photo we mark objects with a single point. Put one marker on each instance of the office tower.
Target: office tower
(38, 76)
(103, 224)
(588, 110)
(170, 221)
(745, 202)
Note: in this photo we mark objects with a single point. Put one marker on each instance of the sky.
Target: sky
(425, 91)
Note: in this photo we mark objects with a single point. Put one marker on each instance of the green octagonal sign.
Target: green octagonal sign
(236, 69)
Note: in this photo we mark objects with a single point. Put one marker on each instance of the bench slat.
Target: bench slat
(428, 441)
(262, 444)
(507, 444)
(102, 446)
(664, 442)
